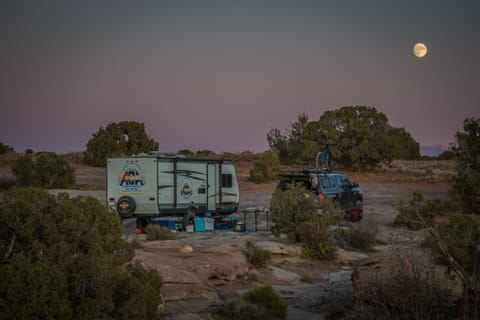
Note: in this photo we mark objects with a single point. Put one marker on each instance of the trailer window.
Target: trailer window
(227, 180)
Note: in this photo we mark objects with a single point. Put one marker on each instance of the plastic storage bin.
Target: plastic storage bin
(209, 224)
(199, 224)
(170, 224)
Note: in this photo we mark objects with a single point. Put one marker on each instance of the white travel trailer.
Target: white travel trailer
(152, 185)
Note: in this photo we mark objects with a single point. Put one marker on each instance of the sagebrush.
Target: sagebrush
(260, 303)
(256, 255)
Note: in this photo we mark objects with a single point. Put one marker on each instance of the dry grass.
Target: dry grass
(404, 286)
(421, 170)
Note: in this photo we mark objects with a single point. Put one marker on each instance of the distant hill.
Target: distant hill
(432, 151)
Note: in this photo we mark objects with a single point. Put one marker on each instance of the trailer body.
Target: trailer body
(150, 185)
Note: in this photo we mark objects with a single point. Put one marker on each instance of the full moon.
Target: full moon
(420, 50)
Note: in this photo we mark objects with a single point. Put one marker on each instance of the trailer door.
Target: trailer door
(212, 183)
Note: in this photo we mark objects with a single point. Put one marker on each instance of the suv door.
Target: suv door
(347, 196)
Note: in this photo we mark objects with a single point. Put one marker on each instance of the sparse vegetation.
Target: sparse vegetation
(45, 170)
(265, 169)
(4, 148)
(156, 232)
(420, 170)
(259, 303)
(290, 208)
(317, 239)
(361, 236)
(406, 287)
(418, 213)
(460, 234)
(256, 255)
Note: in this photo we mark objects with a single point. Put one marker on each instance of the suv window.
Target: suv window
(333, 182)
(343, 182)
(325, 182)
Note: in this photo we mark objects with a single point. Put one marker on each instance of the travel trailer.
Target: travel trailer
(152, 185)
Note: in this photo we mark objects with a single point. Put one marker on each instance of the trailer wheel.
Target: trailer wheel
(189, 216)
(126, 206)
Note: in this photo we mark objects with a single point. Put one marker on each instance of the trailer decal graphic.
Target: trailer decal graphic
(132, 178)
(187, 187)
(187, 174)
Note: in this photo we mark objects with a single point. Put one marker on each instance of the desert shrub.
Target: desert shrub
(360, 236)
(246, 156)
(43, 170)
(156, 232)
(265, 169)
(307, 278)
(186, 152)
(446, 155)
(317, 239)
(466, 187)
(239, 309)
(406, 288)
(7, 181)
(74, 157)
(290, 208)
(418, 213)
(460, 234)
(421, 170)
(64, 258)
(256, 255)
(137, 293)
(4, 148)
(259, 303)
(118, 139)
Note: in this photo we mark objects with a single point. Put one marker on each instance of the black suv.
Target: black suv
(329, 184)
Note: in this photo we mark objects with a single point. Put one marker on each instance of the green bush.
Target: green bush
(418, 213)
(64, 258)
(265, 169)
(362, 137)
(156, 232)
(290, 208)
(406, 288)
(466, 187)
(260, 303)
(118, 139)
(256, 255)
(460, 234)
(360, 236)
(4, 148)
(317, 239)
(45, 170)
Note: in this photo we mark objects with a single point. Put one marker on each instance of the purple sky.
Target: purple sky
(220, 74)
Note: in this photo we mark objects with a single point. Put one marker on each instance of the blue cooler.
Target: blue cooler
(199, 224)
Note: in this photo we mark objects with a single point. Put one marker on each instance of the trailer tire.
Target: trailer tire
(126, 206)
(189, 216)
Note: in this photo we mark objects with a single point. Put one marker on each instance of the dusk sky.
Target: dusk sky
(220, 74)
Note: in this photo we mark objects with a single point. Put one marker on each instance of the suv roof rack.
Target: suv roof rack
(304, 173)
(316, 170)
